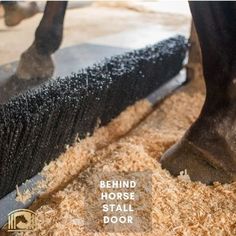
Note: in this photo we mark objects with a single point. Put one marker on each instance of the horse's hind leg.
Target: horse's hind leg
(15, 12)
(36, 61)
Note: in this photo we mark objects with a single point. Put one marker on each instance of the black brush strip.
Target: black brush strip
(36, 126)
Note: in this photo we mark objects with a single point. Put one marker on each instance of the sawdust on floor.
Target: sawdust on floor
(59, 172)
(180, 207)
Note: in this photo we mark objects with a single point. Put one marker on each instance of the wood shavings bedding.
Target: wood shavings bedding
(57, 173)
(180, 207)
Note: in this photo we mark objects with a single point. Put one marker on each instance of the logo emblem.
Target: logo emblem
(21, 220)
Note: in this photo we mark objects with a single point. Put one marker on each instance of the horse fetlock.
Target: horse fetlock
(207, 151)
(34, 65)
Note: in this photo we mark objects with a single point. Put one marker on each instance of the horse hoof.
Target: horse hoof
(33, 65)
(14, 14)
(207, 157)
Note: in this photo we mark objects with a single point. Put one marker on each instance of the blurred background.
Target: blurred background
(128, 24)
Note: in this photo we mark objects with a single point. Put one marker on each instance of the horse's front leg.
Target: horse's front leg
(36, 61)
(208, 149)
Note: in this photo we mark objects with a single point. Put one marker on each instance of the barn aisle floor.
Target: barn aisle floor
(96, 24)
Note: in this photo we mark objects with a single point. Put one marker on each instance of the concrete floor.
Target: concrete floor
(101, 24)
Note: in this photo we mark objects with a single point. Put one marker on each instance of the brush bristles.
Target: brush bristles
(36, 126)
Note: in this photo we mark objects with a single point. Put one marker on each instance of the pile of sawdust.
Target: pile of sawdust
(59, 172)
(180, 207)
